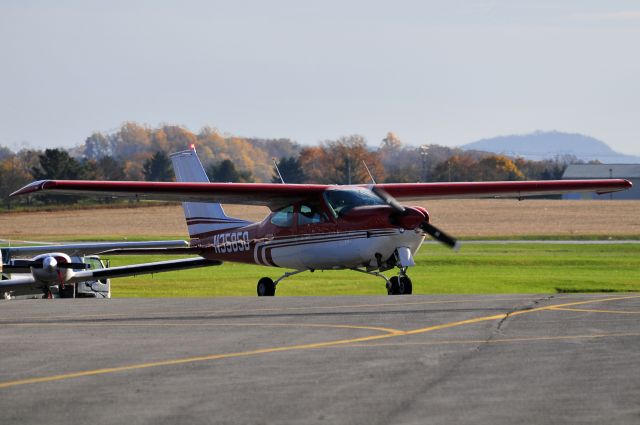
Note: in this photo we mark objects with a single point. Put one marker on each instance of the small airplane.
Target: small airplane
(311, 227)
(53, 268)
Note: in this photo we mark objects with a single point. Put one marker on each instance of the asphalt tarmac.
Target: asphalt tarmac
(460, 359)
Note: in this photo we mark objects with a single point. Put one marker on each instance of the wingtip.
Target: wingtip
(30, 188)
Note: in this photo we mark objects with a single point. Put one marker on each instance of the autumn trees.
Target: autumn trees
(136, 152)
(290, 170)
(225, 172)
(14, 173)
(158, 168)
(341, 161)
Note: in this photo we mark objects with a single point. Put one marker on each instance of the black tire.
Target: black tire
(394, 287)
(266, 287)
(406, 287)
(67, 291)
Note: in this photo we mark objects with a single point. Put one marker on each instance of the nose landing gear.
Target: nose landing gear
(400, 285)
(396, 285)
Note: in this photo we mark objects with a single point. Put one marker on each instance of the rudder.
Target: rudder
(202, 218)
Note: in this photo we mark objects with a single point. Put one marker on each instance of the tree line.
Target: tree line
(136, 152)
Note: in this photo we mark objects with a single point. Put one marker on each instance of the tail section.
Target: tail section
(202, 218)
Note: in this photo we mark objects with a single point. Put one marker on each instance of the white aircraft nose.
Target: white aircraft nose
(49, 264)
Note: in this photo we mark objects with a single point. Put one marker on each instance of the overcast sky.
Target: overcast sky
(446, 72)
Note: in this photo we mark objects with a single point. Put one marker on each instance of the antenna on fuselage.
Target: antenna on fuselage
(370, 175)
(275, 164)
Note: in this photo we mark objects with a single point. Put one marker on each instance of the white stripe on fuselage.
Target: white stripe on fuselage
(331, 250)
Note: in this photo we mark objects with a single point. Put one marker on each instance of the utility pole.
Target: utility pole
(348, 170)
(611, 176)
(424, 152)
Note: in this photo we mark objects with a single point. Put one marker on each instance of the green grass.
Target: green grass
(476, 269)
(613, 237)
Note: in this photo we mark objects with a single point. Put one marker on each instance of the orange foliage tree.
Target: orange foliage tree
(341, 162)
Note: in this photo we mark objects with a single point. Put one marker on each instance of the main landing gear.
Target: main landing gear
(396, 285)
(267, 287)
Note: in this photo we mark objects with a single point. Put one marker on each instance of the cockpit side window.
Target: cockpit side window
(283, 217)
(311, 214)
(342, 201)
(94, 263)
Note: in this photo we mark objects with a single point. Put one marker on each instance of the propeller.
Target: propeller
(389, 200)
(41, 263)
(24, 266)
(427, 227)
(440, 236)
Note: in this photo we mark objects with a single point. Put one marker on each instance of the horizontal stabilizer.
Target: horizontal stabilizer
(88, 248)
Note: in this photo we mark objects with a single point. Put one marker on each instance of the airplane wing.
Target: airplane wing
(266, 194)
(146, 268)
(8, 285)
(277, 195)
(113, 272)
(87, 248)
(504, 189)
(154, 251)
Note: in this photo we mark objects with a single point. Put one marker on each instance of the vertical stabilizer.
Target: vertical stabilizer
(202, 218)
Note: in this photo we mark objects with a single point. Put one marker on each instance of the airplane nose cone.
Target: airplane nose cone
(49, 264)
(412, 218)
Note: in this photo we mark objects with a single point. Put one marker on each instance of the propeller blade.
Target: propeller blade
(25, 264)
(388, 199)
(440, 236)
(75, 266)
(22, 263)
(429, 228)
(10, 268)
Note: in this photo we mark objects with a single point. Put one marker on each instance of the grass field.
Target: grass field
(487, 268)
(476, 269)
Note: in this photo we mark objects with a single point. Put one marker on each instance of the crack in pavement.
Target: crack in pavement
(449, 371)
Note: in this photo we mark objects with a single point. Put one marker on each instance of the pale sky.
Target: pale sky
(446, 72)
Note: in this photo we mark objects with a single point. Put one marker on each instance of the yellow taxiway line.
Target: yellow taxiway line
(499, 341)
(585, 310)
(340, 342)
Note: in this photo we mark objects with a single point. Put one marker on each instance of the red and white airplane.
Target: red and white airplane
(311, 227)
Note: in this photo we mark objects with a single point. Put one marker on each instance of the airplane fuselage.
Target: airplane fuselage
(364, 237)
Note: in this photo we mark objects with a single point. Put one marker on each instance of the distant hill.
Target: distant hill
(549, 144)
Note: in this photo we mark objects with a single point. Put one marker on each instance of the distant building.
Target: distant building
(629, 172)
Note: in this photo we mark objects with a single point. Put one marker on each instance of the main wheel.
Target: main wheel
(67, 291)
(406, 287)
(266, 287)
(393, 287)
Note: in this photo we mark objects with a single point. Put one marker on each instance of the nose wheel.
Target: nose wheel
(400, 285)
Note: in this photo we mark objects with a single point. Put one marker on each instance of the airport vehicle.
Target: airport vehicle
(74, 271)
(311, 227)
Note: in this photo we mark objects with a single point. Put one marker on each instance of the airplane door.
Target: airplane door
(316, 231)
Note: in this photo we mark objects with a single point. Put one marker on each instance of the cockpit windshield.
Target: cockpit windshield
(342, 200)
